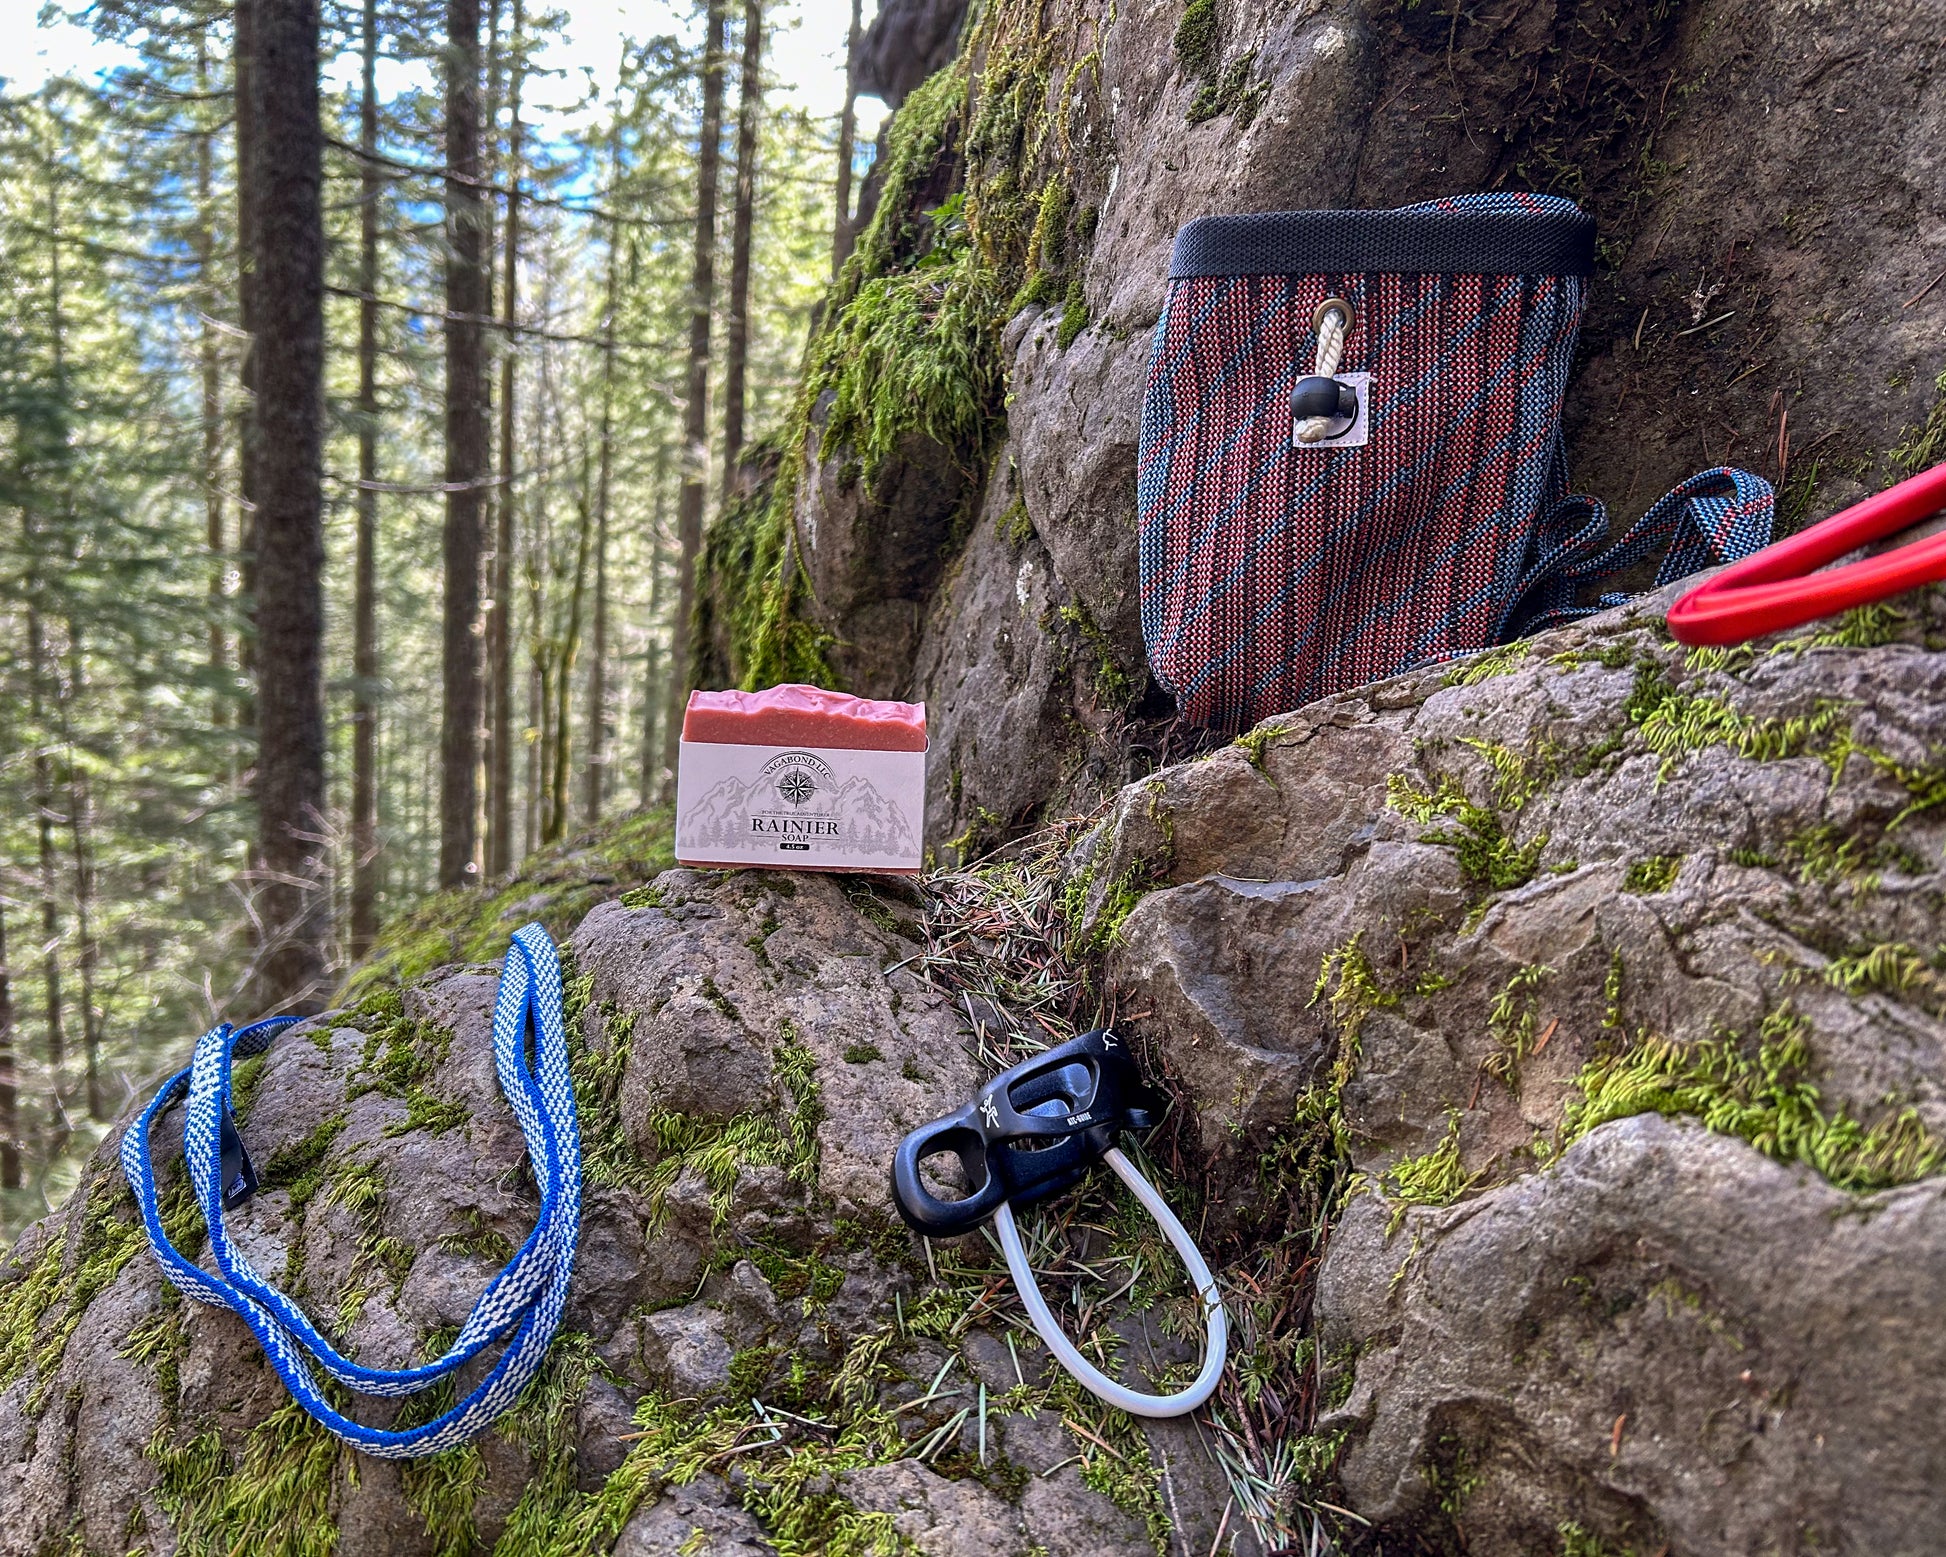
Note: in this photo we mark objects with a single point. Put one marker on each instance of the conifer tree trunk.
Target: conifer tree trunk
(40, 673)
(557, 804)
(695, 454)
(736, 330)
(209, 365)
(364, 649)
(842, 236)
(44, 816)
(243, 77)
(597, 771)
(500, 774)
(654, 695)
(295, 902)
(466, 432)
(80, 813)
(9, 1072)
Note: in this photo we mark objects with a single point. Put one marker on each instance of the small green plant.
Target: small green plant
(1511, 1020)
(1472, 669)
(1765, 1097)
(1652, 874)
(1487, 856)
(1434, 1178)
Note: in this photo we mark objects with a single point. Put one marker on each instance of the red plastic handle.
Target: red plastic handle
(1779, 587)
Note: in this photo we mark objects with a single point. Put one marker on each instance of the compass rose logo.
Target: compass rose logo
(796, 786)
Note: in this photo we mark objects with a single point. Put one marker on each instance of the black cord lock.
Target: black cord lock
(1326, 397)
(1029, 1133)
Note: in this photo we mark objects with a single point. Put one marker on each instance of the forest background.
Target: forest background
(355, 452)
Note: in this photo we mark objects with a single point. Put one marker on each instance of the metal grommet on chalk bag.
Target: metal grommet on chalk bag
(1034, 1131)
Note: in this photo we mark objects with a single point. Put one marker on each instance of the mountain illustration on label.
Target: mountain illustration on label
(795, 797)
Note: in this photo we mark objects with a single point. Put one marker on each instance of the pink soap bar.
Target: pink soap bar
(796, 715)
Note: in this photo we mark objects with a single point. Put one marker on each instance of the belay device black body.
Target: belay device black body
(1032, 1132)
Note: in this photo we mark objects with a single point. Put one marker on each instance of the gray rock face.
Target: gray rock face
(1711, 338)
(751, 1047)
(1665, 1336)
(1475, 900)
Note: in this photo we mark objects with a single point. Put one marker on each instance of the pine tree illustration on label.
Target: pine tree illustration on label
(801, 778)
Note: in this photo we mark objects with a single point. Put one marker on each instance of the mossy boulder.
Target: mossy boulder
(755, 1356)
(1623, 969)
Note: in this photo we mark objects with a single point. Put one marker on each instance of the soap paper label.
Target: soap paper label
(791, 807)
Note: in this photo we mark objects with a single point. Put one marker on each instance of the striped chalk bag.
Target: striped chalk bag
(1351, 456)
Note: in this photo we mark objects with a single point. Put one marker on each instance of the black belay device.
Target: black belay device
(1031, 1132)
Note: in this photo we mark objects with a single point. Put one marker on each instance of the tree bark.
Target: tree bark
(736, 330)
(364, 633)
(9, 1072)
(466, 434)
(842, 236)
(654, 694)
(209, 363)
(38, 671)
(44, 815)
(87, 948)
(557, 805)
(595, 779)
(244, 76)
(500, 775)
(695, 457)
(294, 902)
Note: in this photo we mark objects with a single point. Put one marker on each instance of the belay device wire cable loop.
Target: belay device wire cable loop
(523, 1301)
(1032, 1132)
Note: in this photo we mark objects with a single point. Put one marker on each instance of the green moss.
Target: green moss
(1235, 94)
(1893, 969)
(862, 1053)
(1511, 1021)
(1826, 855)
(1487, 856)
(1016, 524)
(425, 1112)
(1349, 985)
(1198, 38)
(1074, 315)
(1111, 684)
(478, 1239)
(1923, 446)
(1577, 1541)
(556, 886)
(1675, 724)
(1255, 742)
(1766, 1098)
(1517, 778)
(1484, 666)
(1652, 874)
(722, 1002)
(275, 1500)
(301, 1167)
(1434, 1178)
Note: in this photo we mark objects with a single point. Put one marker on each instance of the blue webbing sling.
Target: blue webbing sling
(524, 1300)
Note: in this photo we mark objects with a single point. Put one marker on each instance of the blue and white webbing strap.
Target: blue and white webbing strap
(523, 1301)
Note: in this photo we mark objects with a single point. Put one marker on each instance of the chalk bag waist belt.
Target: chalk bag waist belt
(1781, 586)
(1032, 1132)
(521, 1306)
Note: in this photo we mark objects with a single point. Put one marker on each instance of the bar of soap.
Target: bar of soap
(799, 778)
(797, 715)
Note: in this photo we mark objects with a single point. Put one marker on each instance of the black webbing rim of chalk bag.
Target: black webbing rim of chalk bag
(1412, 242)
